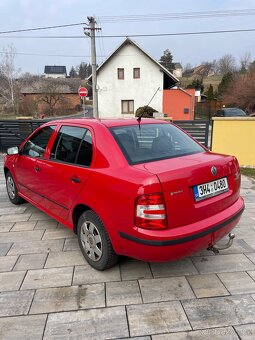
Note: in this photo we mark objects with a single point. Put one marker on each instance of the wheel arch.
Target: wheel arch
(77, 211)
(6, 170)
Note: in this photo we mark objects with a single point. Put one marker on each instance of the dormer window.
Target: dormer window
(120, 73)
(136, 73)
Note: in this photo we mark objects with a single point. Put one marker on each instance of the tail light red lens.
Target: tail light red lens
(150, 212)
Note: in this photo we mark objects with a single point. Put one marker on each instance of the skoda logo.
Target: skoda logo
(213, 170)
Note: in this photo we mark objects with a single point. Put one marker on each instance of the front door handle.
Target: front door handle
(37, 168)
(75, 180)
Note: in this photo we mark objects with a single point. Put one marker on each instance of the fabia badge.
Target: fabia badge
(214, 170)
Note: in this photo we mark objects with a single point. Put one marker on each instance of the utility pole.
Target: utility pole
(92, 28)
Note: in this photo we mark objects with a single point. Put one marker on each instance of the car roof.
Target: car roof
(108, 122)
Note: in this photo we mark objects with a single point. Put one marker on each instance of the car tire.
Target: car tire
(94, 241)
(12, 190)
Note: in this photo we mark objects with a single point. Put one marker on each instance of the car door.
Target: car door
(26, 169)
(66, 171)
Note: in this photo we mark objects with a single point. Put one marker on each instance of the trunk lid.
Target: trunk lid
(179, 175)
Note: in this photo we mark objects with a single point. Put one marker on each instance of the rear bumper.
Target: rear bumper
(175, 243)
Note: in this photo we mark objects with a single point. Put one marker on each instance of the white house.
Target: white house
(55, 71)
(130, 78)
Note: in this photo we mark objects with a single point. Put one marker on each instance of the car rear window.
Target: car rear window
(151, 142)
(234, 112)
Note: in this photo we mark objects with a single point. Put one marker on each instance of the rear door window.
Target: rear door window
(73, 145)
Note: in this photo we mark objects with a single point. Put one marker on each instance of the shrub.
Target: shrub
(145, 111)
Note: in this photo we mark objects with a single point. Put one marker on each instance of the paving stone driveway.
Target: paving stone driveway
(47, 290)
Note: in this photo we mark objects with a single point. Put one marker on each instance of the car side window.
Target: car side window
(36, 145)
(73, 145)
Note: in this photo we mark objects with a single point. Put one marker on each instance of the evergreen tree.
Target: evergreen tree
(166, 60)
(196, 84)
(210, 93)
(226, 80)
(73, 73)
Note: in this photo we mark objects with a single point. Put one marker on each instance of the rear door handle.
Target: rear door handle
(75, 180)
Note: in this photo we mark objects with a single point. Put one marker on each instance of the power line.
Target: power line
(148, 17)
(176, 16)
(54, 55)
(134, 35)
(41, 28)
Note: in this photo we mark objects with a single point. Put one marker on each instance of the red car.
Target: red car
(141, 189)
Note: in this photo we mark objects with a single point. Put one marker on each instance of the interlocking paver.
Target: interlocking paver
(51, 224)
(134, 270)
(29, 327)
(62, 232)
(44, 278)
(30, 261)
(226, 333)
(68, 298)
(238, 283)
(35, 247)
(15, 303)
(15, 218)
(39, 216)
(71, 244)
(65, 259)
(4, 248)
(157, 318)
(11, 280)
(7, 263)
(174, 268)
(93, 324)
(122, 293)
(223, 263)
(172, 288)
(6, 226)
(20, 226)
(246, 332)
(21, 236)
(219, 311)
(86, 274)
(207, 285)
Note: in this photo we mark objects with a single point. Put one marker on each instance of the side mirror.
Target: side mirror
(13, 151)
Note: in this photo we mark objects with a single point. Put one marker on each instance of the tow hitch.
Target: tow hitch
(216, 249)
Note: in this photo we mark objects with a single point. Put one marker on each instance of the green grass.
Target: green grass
(250, 172)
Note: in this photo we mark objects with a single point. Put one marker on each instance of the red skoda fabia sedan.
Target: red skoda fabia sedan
(141, 189)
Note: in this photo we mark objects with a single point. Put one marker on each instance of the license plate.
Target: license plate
(210, 189)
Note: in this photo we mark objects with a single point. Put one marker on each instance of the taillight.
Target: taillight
(150, 212)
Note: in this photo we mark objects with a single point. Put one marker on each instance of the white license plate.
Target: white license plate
(210, 189)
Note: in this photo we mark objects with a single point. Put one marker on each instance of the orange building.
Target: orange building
(179, 103)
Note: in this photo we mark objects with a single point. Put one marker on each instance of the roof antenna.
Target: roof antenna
(141, 115)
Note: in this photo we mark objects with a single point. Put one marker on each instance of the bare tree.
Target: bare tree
(241, 92)
(226, 64)
(245, 62)
(51, 95)
(9, 88)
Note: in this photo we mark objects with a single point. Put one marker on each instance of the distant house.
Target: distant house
(177, 72)
(41, 95)
(55, 71)
(203, 70)
(130, 78)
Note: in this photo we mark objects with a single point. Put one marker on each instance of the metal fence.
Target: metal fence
(13, 132)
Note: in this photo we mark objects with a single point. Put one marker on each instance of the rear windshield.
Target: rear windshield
(234, 112)
(152, 142)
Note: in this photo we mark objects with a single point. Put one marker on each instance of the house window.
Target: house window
(120, 73)
(136, 73)
(127, 106)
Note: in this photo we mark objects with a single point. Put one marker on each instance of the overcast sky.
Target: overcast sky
(20, 14)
